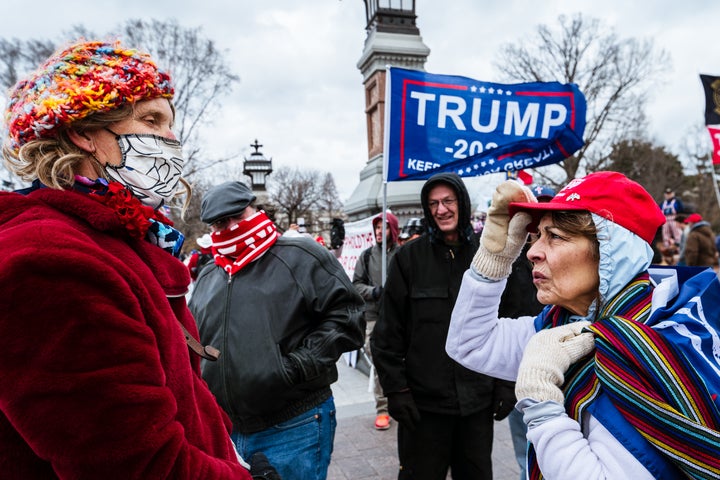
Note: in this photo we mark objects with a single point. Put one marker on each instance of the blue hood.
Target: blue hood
(623, 255)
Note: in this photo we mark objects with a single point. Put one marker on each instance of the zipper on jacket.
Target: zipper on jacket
(228, 297)
(224, 344)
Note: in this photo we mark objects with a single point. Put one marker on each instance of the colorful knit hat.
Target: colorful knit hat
(77, 81)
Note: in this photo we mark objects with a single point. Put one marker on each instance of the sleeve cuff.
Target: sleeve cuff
(536, 413)
(479, 276)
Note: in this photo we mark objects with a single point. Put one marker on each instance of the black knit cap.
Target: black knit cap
(225, 200)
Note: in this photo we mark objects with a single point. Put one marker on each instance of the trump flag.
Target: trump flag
(711, 86)
(444, 123)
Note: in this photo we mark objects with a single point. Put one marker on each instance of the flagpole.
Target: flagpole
(383, 272)
(716, 180)
(385, 153)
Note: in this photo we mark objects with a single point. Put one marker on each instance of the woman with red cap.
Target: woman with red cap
(97, 377)
(617, 377)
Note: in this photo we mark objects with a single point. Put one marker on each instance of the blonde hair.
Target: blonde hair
(55, 161)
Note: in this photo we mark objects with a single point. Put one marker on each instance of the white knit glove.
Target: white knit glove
(547, 356)
(502, 238)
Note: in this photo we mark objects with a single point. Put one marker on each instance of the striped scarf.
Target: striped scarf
(659, 392)
(649, 381)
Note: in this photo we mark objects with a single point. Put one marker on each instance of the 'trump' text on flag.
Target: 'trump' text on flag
(444, 123)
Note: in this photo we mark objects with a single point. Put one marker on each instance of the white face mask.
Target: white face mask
(151, 167)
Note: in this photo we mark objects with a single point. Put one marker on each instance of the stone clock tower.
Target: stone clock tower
(392, 39)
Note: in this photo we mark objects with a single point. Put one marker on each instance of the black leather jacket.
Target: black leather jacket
(281, 323)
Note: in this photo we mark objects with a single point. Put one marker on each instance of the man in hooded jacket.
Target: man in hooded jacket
(368, 281)
(444, 411)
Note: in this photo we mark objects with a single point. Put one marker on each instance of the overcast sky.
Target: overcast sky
(301, 94)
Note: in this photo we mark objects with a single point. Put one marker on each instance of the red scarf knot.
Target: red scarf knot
(132, 213)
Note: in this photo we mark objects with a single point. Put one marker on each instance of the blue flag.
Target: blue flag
(444, 123)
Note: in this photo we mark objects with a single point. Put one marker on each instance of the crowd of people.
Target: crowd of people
(686, 239)
(548, 310)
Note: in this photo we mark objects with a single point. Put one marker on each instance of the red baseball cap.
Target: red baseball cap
(610, 195)
(693, 218)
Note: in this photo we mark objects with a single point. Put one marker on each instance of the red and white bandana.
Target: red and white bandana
(237, 246)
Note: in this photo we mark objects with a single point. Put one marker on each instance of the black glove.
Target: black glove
(401, 407)
(503, 398)
(377, 291)
(261, 469)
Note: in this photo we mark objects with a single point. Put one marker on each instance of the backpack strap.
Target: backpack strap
(207, 352)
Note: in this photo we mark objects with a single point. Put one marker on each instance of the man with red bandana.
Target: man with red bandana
(283, 310)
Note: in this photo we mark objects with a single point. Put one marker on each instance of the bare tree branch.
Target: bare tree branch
(20, 56)
(614, 74)
(16, 58)
(295, 192)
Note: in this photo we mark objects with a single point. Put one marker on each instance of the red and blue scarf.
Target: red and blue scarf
(138, 220)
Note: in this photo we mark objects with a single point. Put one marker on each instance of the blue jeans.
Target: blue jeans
(297, 448)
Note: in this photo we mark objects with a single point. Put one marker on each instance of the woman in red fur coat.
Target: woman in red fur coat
(97, 378)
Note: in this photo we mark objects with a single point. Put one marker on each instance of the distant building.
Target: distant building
(392, 39)
(257, 168)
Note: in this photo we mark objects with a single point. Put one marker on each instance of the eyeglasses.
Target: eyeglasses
(447, 203)
(225, 222)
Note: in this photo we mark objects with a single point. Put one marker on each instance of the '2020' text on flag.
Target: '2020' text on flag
(444, 123)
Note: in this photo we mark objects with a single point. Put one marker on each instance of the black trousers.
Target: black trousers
(442, 442)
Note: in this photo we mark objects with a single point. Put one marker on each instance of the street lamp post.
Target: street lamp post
(257, 167)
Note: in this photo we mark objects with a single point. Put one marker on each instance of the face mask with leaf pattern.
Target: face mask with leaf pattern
(151, 167)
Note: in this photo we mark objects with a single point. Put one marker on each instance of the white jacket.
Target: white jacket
(481, 341)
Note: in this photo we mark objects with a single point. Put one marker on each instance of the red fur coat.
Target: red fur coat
(96, 381)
